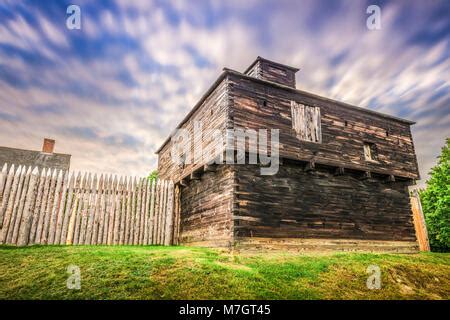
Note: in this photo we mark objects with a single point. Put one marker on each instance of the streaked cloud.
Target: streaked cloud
(111, 92)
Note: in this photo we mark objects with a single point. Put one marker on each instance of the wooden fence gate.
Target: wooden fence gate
(49, 207)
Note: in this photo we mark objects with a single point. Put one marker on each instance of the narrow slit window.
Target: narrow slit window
(306, 122)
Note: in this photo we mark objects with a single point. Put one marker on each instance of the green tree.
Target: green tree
(436, 202)
(153, 175)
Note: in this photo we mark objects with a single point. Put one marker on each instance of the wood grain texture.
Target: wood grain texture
(325, 188)
(47, 207)
(318, 204)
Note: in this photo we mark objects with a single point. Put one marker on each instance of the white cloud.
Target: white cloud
(90, 94)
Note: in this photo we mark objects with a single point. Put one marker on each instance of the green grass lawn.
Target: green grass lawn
(152, 272)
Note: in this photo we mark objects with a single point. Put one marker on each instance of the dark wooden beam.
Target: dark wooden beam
(339, 171)
(210, 167)
(366, 175)
(311, 165)
(195, 176)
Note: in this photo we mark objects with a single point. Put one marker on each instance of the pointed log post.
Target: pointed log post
(144, 211)
(48, 209)
(60, 213)
(101, 209)
(147, 213)
(112, 208)
(6, 194)
(37, 205)
(91, 210)
(169, 215)
(17, 206)
(123, 210)
(126, 236)
(19, 211)
(3, 175)
(73, 211)
(117, 212)
(142, 218)
(137, 224)
(40, 222)
(10, 205)
(79, 212)
(152, 213)
(56, 206)
(156, 215)
(133, 210)
(66, 213)
(107, 209)
(25, 225)
(85, 210)
(163, 213)
(97, 212)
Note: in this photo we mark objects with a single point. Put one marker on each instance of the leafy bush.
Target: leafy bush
(436, 202)
(153, 175)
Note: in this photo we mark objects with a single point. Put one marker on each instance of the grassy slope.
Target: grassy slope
(126, 272)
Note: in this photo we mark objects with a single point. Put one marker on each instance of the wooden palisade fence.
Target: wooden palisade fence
(53, 207)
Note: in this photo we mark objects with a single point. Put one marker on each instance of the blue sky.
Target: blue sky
(111, 92)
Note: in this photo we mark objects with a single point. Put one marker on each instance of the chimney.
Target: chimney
(272, 71)
(48, 146)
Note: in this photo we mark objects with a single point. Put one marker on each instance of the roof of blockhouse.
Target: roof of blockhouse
(34, 158)
(228, 71)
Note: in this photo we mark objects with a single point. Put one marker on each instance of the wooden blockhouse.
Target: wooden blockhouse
(342, 181)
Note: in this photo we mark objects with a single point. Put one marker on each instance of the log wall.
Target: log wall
(257, 104)
(319, 204)
(272, 71)
(338, 194)
(206, 209)
(212, 113)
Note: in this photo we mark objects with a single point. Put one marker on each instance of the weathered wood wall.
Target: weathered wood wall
(258, 105)
(51, 207)
(319, 204)
(206, 209)
(34, 158)
(341, 195)
(272, 71)
(212, 113)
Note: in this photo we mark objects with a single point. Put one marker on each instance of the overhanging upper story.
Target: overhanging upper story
(312, 128)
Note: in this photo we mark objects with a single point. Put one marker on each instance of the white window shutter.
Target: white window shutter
(306, 122)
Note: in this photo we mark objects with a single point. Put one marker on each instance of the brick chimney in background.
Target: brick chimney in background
(48, 146)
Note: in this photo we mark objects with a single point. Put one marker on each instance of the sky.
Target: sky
(112, 91)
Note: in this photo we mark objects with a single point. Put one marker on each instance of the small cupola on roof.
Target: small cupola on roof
(272, 71)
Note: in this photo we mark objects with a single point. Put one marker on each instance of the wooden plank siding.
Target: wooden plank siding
(206, 215)
(344, 130)
(318, 204)
(213, 115)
